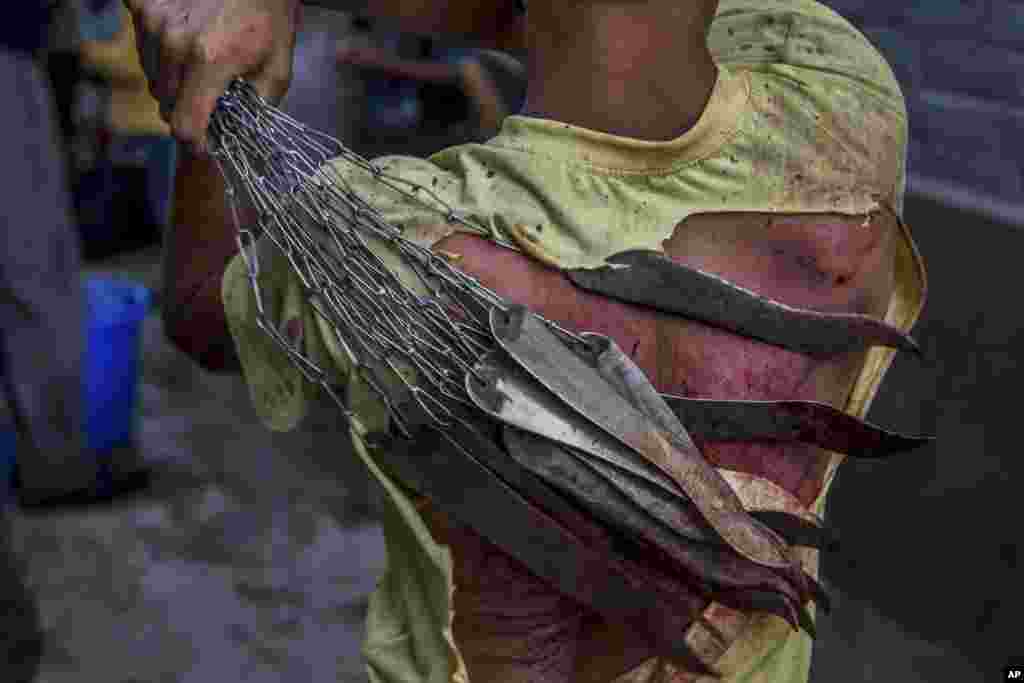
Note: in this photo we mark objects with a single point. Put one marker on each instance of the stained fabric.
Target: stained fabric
(805, 117)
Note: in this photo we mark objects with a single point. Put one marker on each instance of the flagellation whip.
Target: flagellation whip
(446, 355)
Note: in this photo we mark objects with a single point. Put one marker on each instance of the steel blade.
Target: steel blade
(790, 421)
(546, 358)
(649, 278)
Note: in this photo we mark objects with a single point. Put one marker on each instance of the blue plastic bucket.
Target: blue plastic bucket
(114, 313)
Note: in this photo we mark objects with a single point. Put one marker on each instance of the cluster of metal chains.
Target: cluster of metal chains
(305, 208)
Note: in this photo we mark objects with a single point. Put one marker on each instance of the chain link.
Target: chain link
(306, 210)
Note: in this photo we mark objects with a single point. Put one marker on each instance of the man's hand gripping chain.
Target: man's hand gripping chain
(579, 418)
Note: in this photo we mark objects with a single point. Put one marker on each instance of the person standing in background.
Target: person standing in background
(40, 315)
(457, 85)
(42, 339)
(128, 189)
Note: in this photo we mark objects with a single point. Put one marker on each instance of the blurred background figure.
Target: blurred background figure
(122, 192)
(40, 316)
(70, 85)
(390, 99)
(40, 295)
(60, 135)
(424, 85)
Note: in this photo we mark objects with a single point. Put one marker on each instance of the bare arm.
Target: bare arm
(196, 57)
(197, 249)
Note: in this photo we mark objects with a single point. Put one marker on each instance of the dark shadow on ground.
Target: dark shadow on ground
(21, 637)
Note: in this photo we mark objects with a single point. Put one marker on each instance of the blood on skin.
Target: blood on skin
(827, 263)
(509, 624)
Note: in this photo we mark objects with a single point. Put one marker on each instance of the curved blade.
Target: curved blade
(797, 530)
(769, 603)
(558, 545)
(798, 421)
(545, 357)
(630, 508)
(503, 390)
(622, 372)
(629, 379)
(716, 566)
(652, 279)
(820, 595)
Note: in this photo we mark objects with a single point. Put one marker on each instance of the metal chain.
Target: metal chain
(310, 214)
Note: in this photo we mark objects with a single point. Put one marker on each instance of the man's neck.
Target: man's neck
(639, 70)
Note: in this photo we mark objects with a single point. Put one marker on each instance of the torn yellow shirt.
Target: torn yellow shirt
(805, 117)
